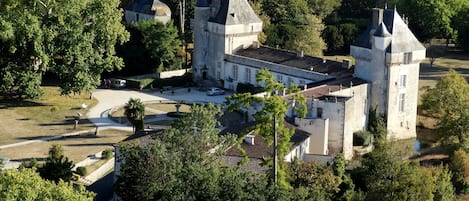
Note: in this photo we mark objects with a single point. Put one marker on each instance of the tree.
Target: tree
(188, 151)
(57, 169)
(26, 184)
(434, 19)
(135, 113)
(385, 176)
(449, 102)
(462, 26)
(293, 26)
(318, 180)
(163, 43)
(56, 151)
(72, 39)
(459, 165)
(323, 8)
(270, 119)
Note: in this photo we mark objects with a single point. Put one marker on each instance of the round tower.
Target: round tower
(201, 16)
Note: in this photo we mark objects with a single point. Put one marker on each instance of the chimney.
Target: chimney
(377, 17)
(346, 63)
(300, 54)
(249, 139)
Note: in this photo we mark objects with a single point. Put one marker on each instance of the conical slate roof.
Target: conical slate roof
(235, 12)
(403, 40)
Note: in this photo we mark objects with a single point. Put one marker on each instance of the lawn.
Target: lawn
(50, 115)
(75, 148)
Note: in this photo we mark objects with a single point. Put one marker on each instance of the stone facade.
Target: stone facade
(339, 96)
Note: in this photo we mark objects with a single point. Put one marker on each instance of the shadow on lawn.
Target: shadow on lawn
(89, 144)
(6, 103)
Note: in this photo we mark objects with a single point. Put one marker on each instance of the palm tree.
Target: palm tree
(135, 112)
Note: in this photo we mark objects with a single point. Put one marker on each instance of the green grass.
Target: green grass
(50, 115)
(449, 62)
(75, 148)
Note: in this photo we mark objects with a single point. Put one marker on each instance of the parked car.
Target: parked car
(215, 91)
(117, 83)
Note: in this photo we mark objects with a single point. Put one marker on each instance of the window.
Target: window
(218, 75)
(407, 57)
(401, 102)
(402, 81)
(248, 75)
(319, 112)
(235, 72)
(290, 81)
(279, 78)
(302, 82)
(219, 64)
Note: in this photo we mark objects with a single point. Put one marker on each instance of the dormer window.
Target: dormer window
(407, 57)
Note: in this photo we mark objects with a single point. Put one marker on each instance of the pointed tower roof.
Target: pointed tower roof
(403, 40)
(233, 12)
(382, 31)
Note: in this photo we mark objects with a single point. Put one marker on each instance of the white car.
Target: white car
(215, 91)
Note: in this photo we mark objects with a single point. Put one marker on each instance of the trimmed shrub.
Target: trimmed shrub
(248, 88)
(107, 154)
(178, 81)
(362, 138)
(139, 83)
(82, 171)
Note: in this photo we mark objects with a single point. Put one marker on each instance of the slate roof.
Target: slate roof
(150, 7)
(290, 59)
(320, 90)
(403, 40)
(202, 3)
(260, 149)
(233, 12)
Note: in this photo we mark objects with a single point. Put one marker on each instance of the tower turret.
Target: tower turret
(388, 56)
(199, 60)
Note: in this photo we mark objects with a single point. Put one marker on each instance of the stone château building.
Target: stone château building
(385, 76)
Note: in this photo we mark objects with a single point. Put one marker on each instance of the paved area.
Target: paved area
(109, 98)
(99, 115)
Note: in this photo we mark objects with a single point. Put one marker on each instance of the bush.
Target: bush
(139, 83)
(82, 171)
(107, 154)
(173, 81)
(248, 88)
(56, 151)
(362, 138)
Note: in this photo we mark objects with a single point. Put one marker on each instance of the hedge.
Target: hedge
(174, 81)
(248, 88)
(159, 83)
(139, 83)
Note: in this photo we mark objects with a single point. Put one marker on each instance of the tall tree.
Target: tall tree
(163, 43)
(26, 184)
(290, 20)
(134, 110)
(73, 39)
(182, 164)
(270, 119)
(449, 102)
(462, 26)
(434, 19)
(385, 177)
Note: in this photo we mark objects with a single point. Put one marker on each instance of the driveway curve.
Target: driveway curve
(110, 98)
